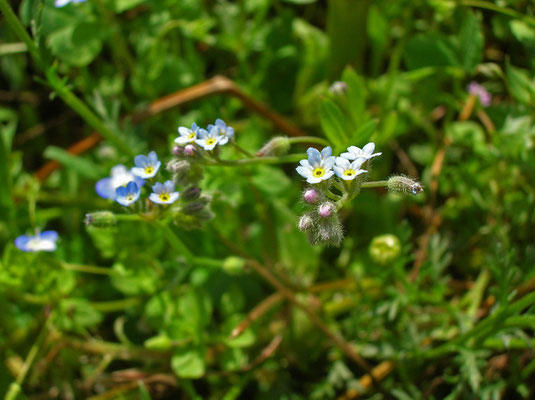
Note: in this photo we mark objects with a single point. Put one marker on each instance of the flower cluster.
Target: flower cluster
(335, 180)
(207, 139)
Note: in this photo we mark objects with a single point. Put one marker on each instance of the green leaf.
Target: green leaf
(429, 50)
(195, 309)
(82, 166)
(333, 122)
(189, 362)
(520, 85)
(123, 5)
(356, 95)
(76, 315)
(364, 132)
(471, 41)
(143, 392)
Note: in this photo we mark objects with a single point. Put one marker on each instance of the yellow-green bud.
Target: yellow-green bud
(401, 184)
(385, 248)
(233, 264)
(277, 146)
(100, 219)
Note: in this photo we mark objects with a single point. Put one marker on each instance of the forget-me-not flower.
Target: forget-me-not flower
(187, 135)
(44, 241)
(225, 131)
(126, 195)
(208, 140)
(318, 167)
(354, 152)
(348, 170)
(146, 166)
(164, 193)
(120, 176)
(63, 3)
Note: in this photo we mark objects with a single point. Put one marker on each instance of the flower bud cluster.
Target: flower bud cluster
(401, 184)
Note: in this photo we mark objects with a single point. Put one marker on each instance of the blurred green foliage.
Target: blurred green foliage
(118, 312)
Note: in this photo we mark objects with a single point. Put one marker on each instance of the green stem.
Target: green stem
(15, 387)
(176, 242)
(242, 150)
(499, 9)
(374, 184)
(90, 269)
(59, 85)
(308, 139)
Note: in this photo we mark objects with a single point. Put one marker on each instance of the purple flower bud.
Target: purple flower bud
(325, 210)
(189, 150)
(475, 89)
(311, 196)
(178, 150)
(305, 222)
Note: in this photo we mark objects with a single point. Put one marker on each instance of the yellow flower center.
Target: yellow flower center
(192, 135)
(149, 170)
(210, 141)
(164, 197)
(318, 172)
(130, 197)
(349, 172)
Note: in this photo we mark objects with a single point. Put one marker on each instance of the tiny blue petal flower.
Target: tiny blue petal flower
(63, 3)
(164, 194)
(225, 131)
(146, 166)
(120, 176)
(126, 195)
(44, 241)
(187, 135)
(208, 140)
(318, 167)
(348, 170)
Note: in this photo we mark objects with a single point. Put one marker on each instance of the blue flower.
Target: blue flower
(209, 140)
(187, 135)
(225, 131)
(354, 152)
(120, 176)
(348, 170)
(164, 194)
(63, 3)
(318, 167)
(146, 166)
(44, 241)
(127, 195)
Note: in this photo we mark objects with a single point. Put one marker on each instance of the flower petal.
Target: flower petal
(141, 161)
(326, 152)
(369, 148)
(314, 156)
(105, 189)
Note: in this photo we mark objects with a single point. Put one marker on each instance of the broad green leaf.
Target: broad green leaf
(77, 45)
(80, 165)
(471, 41)
(520, 85)
(334, 124)
(363, 134)
(189, 362)
(123, 5)
(195, 309)
(356, 95)
(429, 50)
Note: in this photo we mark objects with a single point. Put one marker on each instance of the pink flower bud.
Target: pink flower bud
(310, 196)
(325, 210)
(189, 150)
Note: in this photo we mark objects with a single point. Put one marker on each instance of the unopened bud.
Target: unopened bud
(305, 223)
(338, 88)
(311, 196)
(192, 208)
(178, 150)
(100, 219)
(191, 193)
(189, 150)
(178, 166)
(328, 231)
(385, 248)
(326, 209)
(233, 264)
(277, 146)
(402, 184)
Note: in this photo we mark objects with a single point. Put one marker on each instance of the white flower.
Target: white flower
(226, 131)
(209, 140)
(146, 166)
(44, 241)
(164, 193)
(366, 152)
(348, 170)
(318, 167)
(187, 135)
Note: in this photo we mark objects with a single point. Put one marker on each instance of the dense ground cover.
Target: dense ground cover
(198, 247)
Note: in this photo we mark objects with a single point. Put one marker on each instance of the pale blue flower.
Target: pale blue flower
(225, 131)
(164, 194)
(209, 140)
(318, 167)
(126, 195)
(348, 170)
(44, 241)
(354, 152)
(187, 135)
(146, 166)
(120, 176)
(63, 3)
